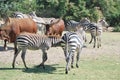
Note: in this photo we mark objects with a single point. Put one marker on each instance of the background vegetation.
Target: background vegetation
(68, 9)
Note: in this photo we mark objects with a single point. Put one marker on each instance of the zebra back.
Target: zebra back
(20, 15)
(72, 40)
(74, 25)
(36, 41)
(71, 25)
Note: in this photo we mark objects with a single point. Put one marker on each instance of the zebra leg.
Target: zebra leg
(68, 58)
(65, 53)
(23, 57)
(72, 57)
(78, 57)
(91, 39)
(44, 58)
(94, 42)
(67, 65)
(85, 39)
(98, 42)
(15, 55)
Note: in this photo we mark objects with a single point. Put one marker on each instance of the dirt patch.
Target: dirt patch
(55, 55)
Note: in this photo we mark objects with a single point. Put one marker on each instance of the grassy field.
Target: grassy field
(95, 64)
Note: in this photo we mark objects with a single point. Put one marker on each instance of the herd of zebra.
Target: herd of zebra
(71, 41)
(95, 29)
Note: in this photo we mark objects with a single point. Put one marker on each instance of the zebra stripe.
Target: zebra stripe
(20, 15)
(72, 25)
(34, 42)
(73, 42)
(96, 30)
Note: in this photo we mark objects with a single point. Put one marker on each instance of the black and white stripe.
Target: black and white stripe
(96, 30)
(73, 43)
(72, 25)
(20, 15)
(34, 42)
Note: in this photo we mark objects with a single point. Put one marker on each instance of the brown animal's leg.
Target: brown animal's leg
(23, 57)
(15, 55)
(5, 45)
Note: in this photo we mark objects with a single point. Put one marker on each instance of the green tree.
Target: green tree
(68, 9)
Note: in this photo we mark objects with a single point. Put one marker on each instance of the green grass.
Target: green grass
(105, 67)
(101, 69)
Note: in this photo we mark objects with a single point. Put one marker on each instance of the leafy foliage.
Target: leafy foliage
(68, 9)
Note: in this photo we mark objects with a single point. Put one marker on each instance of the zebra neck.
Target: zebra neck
(54, 41)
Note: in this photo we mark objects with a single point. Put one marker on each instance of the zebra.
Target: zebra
(73, 42)
(33, 14)
(33, 42)
(72, 25)
(96, 30)
(20, 15)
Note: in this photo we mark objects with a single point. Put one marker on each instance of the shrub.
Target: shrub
(116, 29)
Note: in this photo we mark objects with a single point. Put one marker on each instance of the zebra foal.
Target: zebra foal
(33, 42)
(96, 30)
(73, 43)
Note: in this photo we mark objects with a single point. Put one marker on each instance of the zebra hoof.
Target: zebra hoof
(43, 67)
(66, 72)
(72, 66)
(40, 66)
(89, 42)
(13, 67)
(77, 66)
(26, 68)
